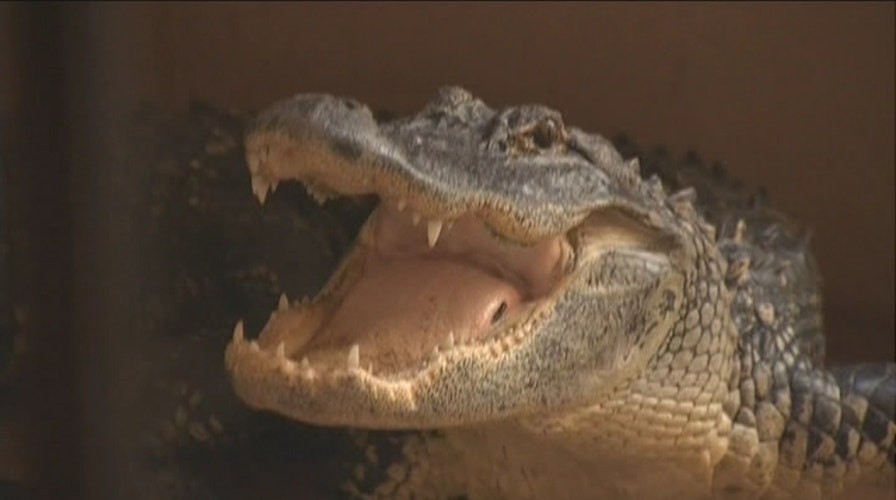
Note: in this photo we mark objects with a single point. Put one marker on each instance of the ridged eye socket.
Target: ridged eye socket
(546, 133)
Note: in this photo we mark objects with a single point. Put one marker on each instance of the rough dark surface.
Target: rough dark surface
(218, 255)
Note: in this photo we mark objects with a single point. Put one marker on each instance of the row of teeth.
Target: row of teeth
(261, 187)
(239, 338)
(353, 360)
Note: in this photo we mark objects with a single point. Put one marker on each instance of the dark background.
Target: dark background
(798, 98)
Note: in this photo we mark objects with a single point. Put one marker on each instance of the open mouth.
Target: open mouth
(413, 289)
(451, 278)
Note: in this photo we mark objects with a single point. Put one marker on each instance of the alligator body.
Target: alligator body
(548, 319)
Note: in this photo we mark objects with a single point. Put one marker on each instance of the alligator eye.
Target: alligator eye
(499, 312)
(546, 133)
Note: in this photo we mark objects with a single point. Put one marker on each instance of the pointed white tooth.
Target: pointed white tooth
(281, 351)
(260, 188)
(354, 357)
(305, 363)
(415, 218)
(238, 334)
(254, 346)
(288, 366)
(433, 229)
(450, 342)
(283, 303)
(274, 185)
(402, 204)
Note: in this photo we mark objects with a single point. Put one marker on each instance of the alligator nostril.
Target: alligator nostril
(499, 312)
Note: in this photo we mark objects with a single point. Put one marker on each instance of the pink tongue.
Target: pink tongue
(399, 309)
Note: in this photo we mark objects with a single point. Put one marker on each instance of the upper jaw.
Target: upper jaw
(457, 156)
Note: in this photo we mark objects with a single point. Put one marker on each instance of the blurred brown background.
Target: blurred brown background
(798, 98)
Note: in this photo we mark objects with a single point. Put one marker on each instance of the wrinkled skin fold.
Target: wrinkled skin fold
(524, 291)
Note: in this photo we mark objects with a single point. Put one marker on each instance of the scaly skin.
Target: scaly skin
(666, 350)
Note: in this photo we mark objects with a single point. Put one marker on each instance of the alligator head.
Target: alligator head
(513, 266)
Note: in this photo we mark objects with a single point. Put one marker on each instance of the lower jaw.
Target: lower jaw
(350, 395)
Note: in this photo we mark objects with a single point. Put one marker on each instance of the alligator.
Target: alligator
(537, 318)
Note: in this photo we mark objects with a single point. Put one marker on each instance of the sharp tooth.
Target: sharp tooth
(507, 342)
(415, 218)
(435, 351)
(402, 204)
(450, 342)
(354, 357)
(288, 366)
(274, 185)
(305, 363)
(433, 229)
(283, 303)
(254, 346)
(238, 334)
(260, 188)
(281, 351)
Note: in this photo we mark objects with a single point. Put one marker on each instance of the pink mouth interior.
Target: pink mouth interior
(410, 297)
